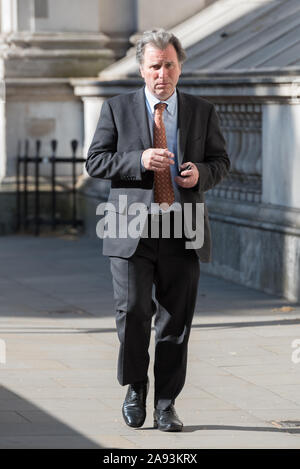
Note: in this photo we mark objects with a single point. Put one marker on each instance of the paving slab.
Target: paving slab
(59, 387)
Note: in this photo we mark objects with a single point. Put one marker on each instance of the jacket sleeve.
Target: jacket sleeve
(216, 163)
(103, 159)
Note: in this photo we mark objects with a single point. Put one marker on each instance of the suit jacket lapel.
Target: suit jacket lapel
(184, 119)
(140, 114)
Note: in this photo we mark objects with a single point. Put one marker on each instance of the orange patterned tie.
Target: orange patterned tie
(163, 187)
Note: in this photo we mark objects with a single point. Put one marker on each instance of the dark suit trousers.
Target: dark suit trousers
(174, 271)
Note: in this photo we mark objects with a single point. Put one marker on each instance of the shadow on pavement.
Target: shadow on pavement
(96, 330)
(194, 428)
(25, 425)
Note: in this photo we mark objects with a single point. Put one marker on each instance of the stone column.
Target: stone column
(281, 155)
(90, 188)
(16, 15)
(2, 130)
(7, 15)
(91, 111)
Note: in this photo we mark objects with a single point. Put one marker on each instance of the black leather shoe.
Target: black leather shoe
(167, 420)
(134, 406)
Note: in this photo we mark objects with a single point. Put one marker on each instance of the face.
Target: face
(160, 70)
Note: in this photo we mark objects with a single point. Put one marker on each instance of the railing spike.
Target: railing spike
(74, 145)
(53, 144)
(38, 147)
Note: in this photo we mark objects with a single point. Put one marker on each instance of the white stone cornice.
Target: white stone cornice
(26, 54)
(260, 89)
(39, 89)
(101, 88)
(78, 39)
(221, 88)
(34, 53)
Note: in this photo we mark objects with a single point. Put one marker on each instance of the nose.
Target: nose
(162, 71)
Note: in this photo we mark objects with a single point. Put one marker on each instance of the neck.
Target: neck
(161, 98)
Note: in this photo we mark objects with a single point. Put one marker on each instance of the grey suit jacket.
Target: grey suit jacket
(121, 136)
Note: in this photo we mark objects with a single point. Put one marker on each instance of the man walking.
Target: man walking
(157, 145)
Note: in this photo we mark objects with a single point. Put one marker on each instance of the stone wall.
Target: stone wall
(255, 211)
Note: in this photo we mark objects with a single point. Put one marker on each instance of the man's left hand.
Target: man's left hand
(190, 176)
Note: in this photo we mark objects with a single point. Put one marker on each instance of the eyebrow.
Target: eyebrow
(159, 63)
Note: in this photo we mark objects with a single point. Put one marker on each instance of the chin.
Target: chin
(163, 94)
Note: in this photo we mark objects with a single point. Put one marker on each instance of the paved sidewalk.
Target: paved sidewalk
(59, 387)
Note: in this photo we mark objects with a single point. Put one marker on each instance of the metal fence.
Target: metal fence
(25, 219)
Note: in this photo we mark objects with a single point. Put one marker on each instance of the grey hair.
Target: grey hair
(159, 38)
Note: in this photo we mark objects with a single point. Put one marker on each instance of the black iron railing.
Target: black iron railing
(25, 219)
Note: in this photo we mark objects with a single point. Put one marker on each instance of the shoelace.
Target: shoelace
(134, 396)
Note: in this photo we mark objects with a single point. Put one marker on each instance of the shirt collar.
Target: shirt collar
(171, 101)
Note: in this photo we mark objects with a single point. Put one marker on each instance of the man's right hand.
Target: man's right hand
(157, 159)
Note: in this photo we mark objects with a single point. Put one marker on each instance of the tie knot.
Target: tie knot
(160, 106)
